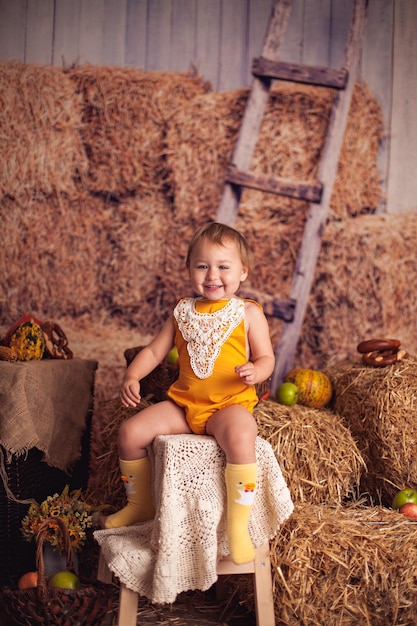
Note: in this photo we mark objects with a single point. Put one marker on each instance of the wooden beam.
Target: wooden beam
(293, 72)
(279, 186)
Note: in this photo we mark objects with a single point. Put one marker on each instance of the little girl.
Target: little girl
(224, 350)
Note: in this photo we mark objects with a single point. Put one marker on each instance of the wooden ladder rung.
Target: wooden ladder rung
(301, 190)
(282, 309)
(293, 72)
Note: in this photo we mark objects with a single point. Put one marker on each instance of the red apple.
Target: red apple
(28, 580)
(409, 509)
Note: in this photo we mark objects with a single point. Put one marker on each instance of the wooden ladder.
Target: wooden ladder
(265, 69)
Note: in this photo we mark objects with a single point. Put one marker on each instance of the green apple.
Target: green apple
(64, 580)
(172, 356)
(404, 496)
(287, 393)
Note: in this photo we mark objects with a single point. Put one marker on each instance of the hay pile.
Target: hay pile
(344, 566)
(378, 406)
(95, 228)
(317, 454)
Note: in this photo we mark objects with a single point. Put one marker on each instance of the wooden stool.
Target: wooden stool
(260, 567)
(185, 546)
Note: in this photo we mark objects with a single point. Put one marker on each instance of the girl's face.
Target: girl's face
(216, 271)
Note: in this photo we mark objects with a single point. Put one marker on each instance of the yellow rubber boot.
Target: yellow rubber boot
(240, 490)
(137, 477)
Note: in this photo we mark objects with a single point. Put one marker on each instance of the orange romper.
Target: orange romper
(211, 341)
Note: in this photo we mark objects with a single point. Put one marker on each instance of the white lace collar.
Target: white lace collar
(205, 333)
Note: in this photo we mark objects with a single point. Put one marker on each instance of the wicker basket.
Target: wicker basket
(57, 607)
(29, 477)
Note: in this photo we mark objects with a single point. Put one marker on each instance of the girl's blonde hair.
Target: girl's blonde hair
(219, 233)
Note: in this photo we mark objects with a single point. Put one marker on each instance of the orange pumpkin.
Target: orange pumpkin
(314, 387)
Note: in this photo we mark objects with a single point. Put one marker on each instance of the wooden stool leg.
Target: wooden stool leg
(222, 590)
(103, 572)
(128, 606)
(128, 599)
(264, 600)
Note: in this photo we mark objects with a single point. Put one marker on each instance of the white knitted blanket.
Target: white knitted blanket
(179, 550)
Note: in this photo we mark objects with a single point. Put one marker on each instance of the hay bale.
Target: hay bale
(317, 454)
(49, 263)
(41, 150)
(125, 116)
(201, 140)
(344, 566)
(365, 285)
(378, 406)
(87, 255)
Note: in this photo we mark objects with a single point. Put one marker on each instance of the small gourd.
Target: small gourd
(314, 387)
(28, 341)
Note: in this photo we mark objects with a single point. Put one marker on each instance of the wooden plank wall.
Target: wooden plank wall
(220, 38)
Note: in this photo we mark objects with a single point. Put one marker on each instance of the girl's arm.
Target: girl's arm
(144, 362)
(261, 350)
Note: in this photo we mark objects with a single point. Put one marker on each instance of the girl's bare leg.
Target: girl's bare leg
(139, 431)
(135, 434)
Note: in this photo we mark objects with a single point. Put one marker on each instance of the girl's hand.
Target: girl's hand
(130, 393)
(247, 373)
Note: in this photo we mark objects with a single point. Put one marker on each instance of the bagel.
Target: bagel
(378, 345)
(381, 358)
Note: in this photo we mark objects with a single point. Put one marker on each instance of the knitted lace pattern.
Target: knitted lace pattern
(205, 333)
(179, 549)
